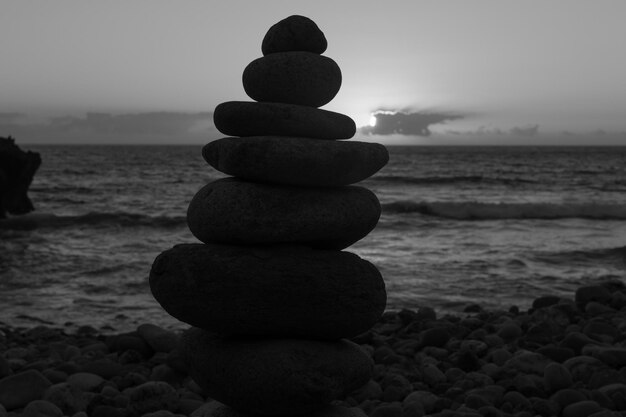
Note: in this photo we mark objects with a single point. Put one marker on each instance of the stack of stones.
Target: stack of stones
(270, 294)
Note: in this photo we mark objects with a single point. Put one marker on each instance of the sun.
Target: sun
(373, 120)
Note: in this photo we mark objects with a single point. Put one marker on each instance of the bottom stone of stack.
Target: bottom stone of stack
(274, 376)
(217, 409)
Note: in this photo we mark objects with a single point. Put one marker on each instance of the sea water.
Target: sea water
(496, 226)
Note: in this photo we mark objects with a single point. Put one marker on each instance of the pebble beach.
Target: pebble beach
(562, 357)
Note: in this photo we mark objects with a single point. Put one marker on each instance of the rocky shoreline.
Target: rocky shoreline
(562, 357)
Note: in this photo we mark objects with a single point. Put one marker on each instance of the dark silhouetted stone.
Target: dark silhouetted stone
(274, 376)
(293, 77)
(239, 212)
(294, 33)
(277, 291)
(17, 169)
(296, 161)
(249, 118)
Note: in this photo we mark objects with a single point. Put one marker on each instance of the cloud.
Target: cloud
(410, 124)
(527, 131)
(157, 127)
(10, 118)
(485, 131)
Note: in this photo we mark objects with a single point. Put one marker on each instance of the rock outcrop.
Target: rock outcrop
(17, 169)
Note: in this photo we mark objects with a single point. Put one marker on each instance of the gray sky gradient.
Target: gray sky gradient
(505, 67)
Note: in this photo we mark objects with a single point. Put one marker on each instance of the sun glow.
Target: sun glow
(373, 120)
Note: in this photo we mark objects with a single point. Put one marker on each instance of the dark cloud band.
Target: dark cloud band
(410, 124)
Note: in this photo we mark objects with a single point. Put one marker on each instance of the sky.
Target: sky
(430, 72)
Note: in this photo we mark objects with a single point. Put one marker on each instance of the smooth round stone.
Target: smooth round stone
(294, 33)
(240, 212)
(298, 77)
(286, 291)
(296, 161)
(249, 118)
(274, 376)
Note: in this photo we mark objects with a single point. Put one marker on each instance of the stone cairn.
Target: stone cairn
(270, 294)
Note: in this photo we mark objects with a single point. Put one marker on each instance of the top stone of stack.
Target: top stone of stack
(294, 33)
(292, 70)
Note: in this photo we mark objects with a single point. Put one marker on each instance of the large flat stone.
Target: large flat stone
(241, 212)
(296, 161)
(285, 291)
(298, 77)
(294, 33)
(274, 376)
(249, 118)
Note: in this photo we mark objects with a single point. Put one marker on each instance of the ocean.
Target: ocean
(494, 226)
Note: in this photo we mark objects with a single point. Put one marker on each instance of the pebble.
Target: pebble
(294, 33)
(41, 408)
(19, 389)
(5, 368)
(159, 339)
(436, 336)
(432, 375)
(527, 363)
(105, 368)
(595, 309)
(162, 413)
(54, 376)
(130, 341)
(616, 393)
(370, 391)
(588, 293)
(302, 78)
(388, 410)
(238, 212)
(545, 301)
(557, 354)
(68, 398)
(518, 401)
(581, 409)
(567, 396)
(510, 331)
(396, 388)
(413, 409)
(85, 381)
(582, 368)
(296, 161)
(298, 375)
(600, 329)
(576, 341)
(612, 356)
(607, 413)
(500, 356)
(556, 377)
(322, 294)
(249, 118)
(152, 396)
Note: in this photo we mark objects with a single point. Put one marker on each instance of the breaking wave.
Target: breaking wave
(96, 219)
(450, 180)
(498, 211)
